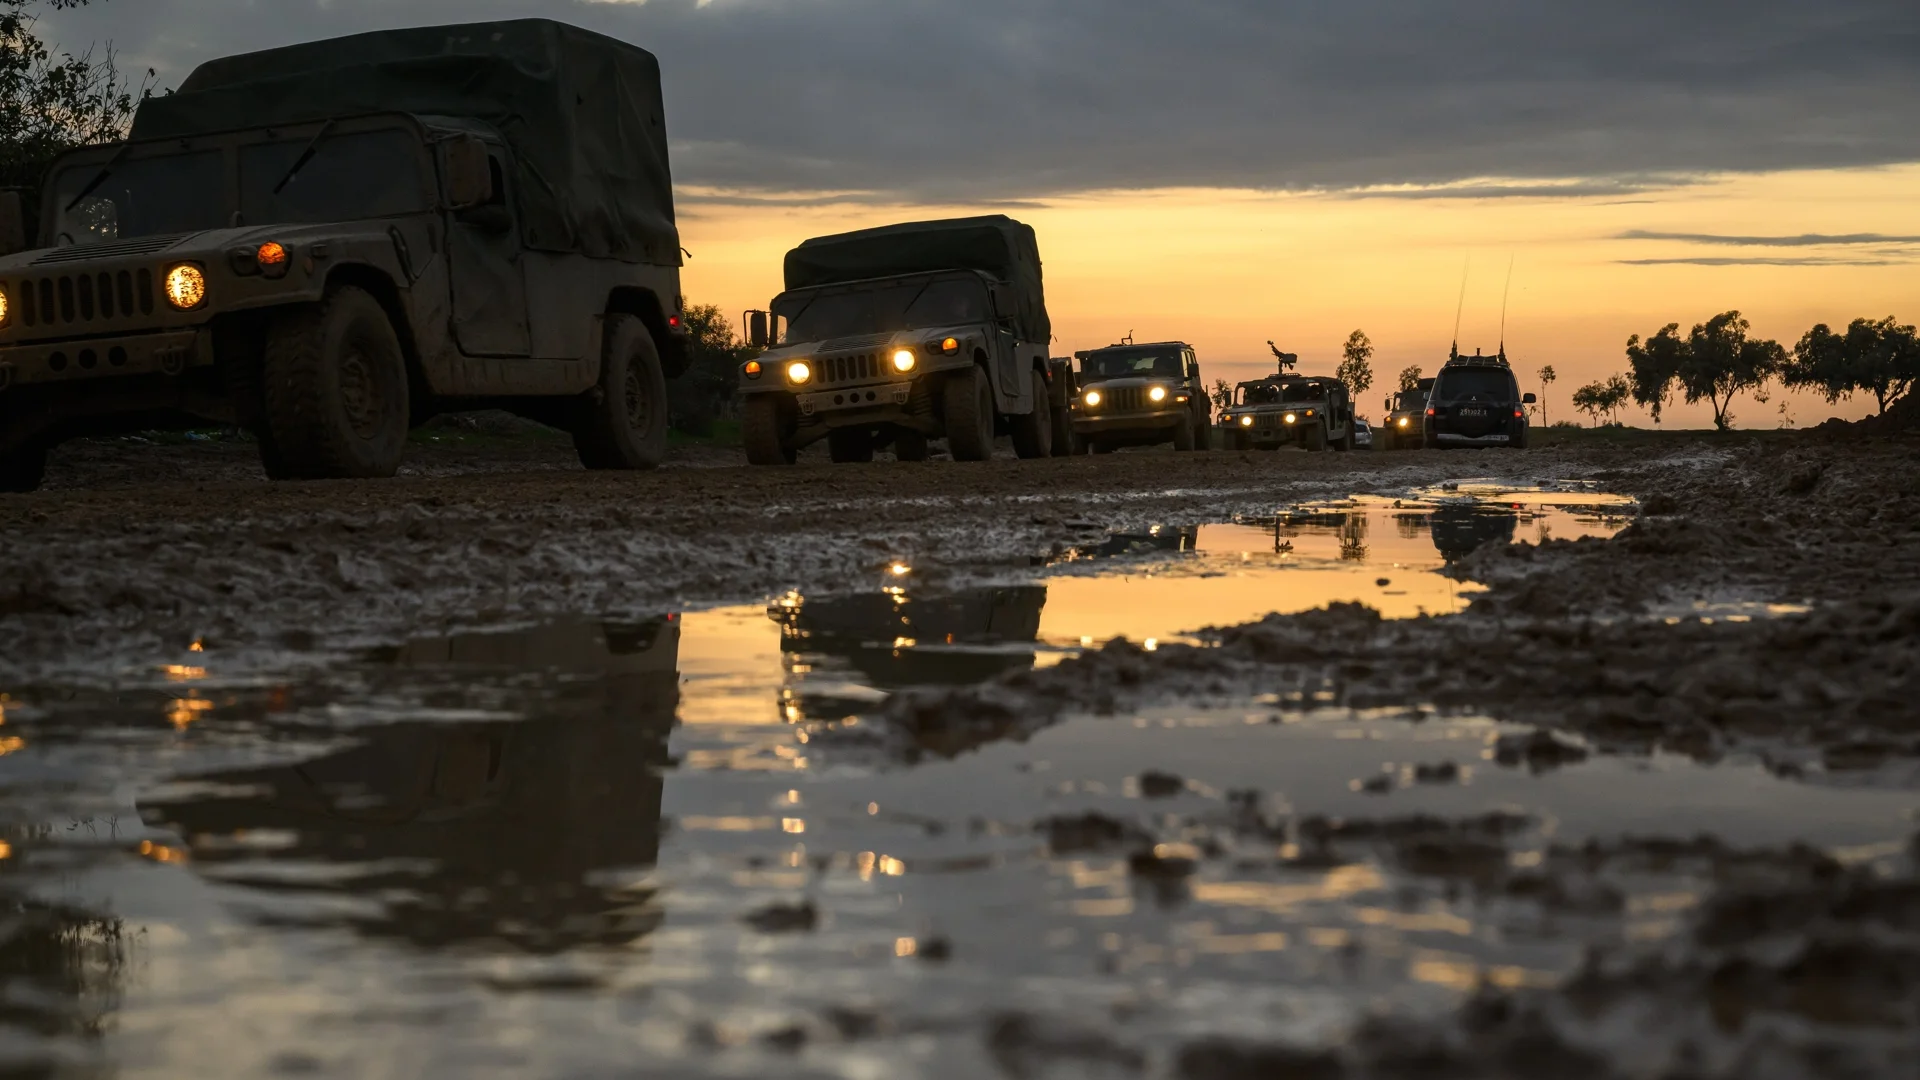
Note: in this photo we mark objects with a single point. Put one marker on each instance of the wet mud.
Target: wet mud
(1209, 765)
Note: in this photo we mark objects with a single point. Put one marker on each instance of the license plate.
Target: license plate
(1476, 413)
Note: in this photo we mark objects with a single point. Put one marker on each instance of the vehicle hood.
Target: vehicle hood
(209, 244)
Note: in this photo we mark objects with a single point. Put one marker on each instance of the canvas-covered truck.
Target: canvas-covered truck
(329, 242)
(901, 335)
(1139, 395)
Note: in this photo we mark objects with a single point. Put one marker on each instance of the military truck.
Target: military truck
(1309, 411)
(1139, 395)
(1405, 427)
(901, 335)
(329, 242)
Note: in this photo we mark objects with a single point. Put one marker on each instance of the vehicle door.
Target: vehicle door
(484, 257)
(1011, 379)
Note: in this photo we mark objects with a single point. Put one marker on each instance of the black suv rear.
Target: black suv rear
(1476, 402)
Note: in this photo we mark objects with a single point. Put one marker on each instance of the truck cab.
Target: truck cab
(1140, 395)
(900, 336)
(326, 263)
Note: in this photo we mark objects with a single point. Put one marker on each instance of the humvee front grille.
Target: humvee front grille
(1126, 399)
(76, 299)
(853, 368)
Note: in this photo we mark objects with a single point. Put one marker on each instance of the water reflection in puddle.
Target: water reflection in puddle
(594, 846)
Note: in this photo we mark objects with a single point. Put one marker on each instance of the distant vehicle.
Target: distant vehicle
(1362, 435)
(1309, 411)
(1139, 395)
(900, 335)
(1477, 402)
(329, 242)
(1405, 427)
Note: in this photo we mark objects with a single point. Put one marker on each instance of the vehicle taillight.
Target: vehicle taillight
(1429, 410)
(1519, 413)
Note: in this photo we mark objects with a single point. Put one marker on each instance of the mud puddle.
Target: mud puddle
(594, 845)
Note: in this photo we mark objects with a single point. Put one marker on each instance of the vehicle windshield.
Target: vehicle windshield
(1410, 401)
(367, 174)
(141, 196)
(1133, 364)
(1259, 394)
(1483, 384)
(826, 314)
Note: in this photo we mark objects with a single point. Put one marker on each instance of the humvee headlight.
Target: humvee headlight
(1290, 418)
(6, 308)
(186, 287)
(752, 369)
(1157, 394)
(1092, 398)
(1403, 421)
(1246, 421)
(904, 360)
(799, 373)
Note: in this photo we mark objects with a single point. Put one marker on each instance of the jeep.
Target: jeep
(1139, 395)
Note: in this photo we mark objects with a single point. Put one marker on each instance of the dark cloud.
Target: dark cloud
(1803, 240)
(1810, 260)
(1012, 99)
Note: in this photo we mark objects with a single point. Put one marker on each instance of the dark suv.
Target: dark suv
(1476, 402)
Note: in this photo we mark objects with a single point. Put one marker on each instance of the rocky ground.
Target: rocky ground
(1766, 602)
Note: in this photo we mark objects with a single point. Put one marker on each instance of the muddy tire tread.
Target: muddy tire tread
(969, 416)
(294, 402)
(760, 431)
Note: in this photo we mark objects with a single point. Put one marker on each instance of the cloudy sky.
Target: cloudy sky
(1233, 170)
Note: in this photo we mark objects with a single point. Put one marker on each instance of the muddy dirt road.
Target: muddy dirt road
(1601, 759)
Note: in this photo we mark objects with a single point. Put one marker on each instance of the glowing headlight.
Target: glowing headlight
(1403, 421)
(1290, 418)
(1157, 394)
(1246, 421)
(186, 286)
(799, 372)
(1092, 398)
(904, 360)
(6, 309)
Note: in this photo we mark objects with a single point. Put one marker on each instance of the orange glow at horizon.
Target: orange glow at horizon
(1228, 269)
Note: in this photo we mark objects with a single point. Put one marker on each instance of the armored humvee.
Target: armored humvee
(1405, 427)
(900, 335)
(329, 242)
(1138, 395)
(1290, 410)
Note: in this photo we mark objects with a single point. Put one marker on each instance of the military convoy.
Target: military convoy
(1289, 409)
(328, 243)
(902, 335)
(1139, 395)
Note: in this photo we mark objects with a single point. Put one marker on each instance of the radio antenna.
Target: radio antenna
(1503, 308)
(1462, 308)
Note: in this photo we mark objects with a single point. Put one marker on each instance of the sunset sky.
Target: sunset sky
(1228, 171)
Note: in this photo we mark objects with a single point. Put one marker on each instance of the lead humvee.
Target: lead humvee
(900, 335)
(330, 242)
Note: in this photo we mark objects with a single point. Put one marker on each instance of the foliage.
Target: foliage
(1222, 395)
(705, 391)
(1356, 364)
(1410, 379)
(1603, 399)
(51, 100)
(1547, 376)
(1715, 362)
(1881, 358)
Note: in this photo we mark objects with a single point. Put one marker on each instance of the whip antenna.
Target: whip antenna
(1503, 307)
(1461, 309)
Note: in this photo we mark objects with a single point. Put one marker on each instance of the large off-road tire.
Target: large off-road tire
(1063, 444)
(969, 416)
(1316, 440)
(1520, 440)
(847, 446)
(1345, 442)
(23, 468)
(1183, 435)
(911, 445)
(1033, 433)
(622, 422)
(334, 390)
(767, 431)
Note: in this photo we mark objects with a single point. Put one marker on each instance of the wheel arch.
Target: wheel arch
(381, 287)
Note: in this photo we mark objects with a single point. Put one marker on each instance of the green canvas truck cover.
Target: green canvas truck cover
(997, 245)
(582, 112)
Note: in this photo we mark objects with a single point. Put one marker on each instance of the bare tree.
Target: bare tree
(1546, 379)
(52, 100)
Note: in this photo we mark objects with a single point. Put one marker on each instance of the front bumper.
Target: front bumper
(166, 353)
(1101, 423)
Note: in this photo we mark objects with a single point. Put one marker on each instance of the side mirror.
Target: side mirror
(469, 173)
(13, 223)
(1528, 399)
(757, 335)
